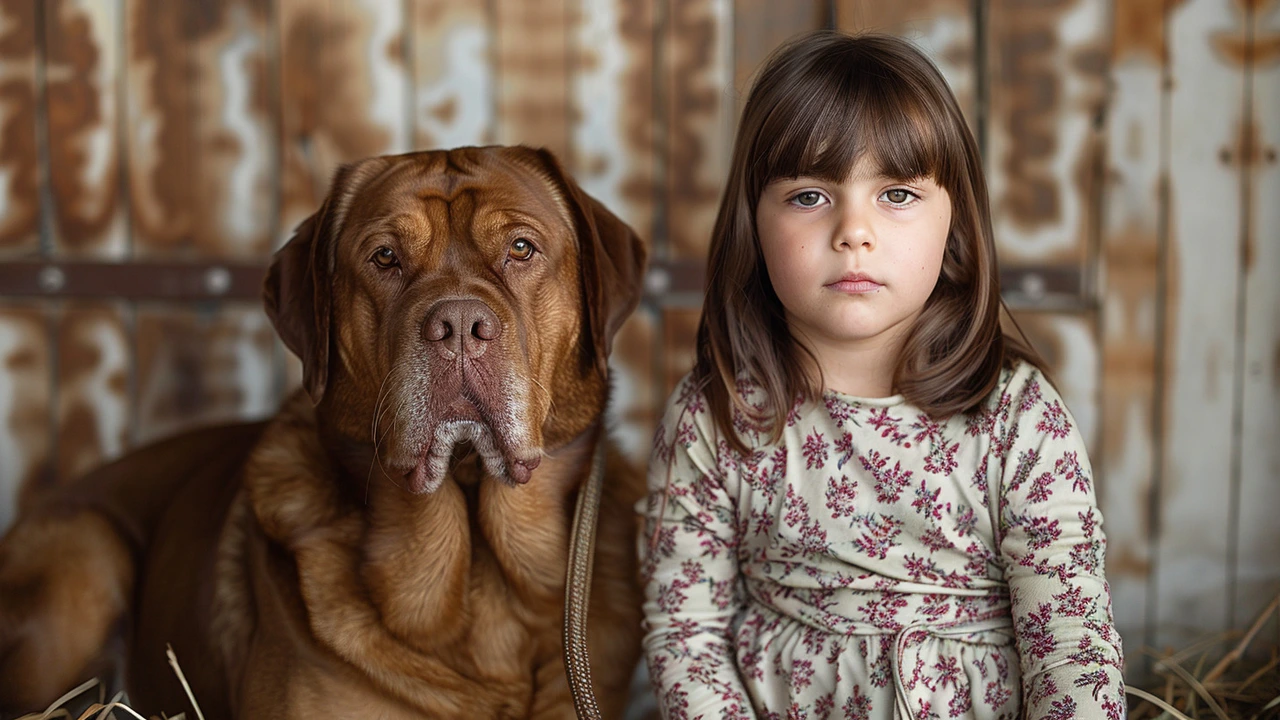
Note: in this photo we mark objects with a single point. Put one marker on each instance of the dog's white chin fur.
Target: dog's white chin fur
(431, 469)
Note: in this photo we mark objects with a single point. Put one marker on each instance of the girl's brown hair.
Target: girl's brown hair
(819, 103)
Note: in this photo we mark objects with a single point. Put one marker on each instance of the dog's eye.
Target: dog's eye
(385, 257)
(521, 249)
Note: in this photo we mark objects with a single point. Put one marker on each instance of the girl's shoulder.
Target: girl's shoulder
(689, 398)
(688, 413)
(1023, 391)
(687, 407)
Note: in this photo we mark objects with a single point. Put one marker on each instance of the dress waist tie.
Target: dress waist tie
(1001, 623)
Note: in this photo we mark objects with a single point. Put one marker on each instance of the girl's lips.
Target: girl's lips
(855, 285)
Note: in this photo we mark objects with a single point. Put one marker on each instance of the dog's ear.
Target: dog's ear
(612, 258)
(296, 295)
(299, 283)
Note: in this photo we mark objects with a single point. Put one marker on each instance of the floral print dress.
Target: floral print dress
(857, 568)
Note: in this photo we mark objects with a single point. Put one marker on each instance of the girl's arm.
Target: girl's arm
(692, 584)
(1053, 549)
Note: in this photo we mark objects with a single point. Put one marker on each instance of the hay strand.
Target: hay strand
(1228, 676)
(173, 663)
(56, 709)
(103, 710)
(1238, 652)
(1196, 685)
(1155, 701)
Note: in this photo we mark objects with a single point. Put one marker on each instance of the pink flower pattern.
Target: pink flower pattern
(855, 569)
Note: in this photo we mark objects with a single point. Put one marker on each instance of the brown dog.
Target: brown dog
(393, 543)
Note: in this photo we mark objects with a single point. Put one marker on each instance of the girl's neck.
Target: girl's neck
(863, 369)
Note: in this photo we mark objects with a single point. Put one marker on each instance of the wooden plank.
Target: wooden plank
(19, 179)
(612, 132)
(1048, 83)
(759, 26)
(453, 73)
(531, 43)
(26, 369)
(697, 74)
(1191, 585)
(196, 368)
(82, 74)
(1257, 564)
(613, 157)
(92, 394)
(680, 334)
(201, 141)
(945, 29)
(634, 372)
(1130, 258)
(342, 91)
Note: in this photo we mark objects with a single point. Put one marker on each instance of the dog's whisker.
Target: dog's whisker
(377, 416)
(551, 401)
(377, 456)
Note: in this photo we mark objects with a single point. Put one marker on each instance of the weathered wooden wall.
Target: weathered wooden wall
(1130, 144)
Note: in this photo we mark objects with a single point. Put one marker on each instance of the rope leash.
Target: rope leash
(582, 546)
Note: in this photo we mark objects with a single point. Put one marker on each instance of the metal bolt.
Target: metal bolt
(657, 281)
(52, 279)
(1033, 286)
(217, 280)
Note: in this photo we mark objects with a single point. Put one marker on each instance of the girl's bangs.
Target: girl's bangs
(821, 131)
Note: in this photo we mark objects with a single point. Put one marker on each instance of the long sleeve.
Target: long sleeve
(692, 584)
(1053, 549)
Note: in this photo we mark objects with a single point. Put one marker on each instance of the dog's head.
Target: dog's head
(449, 296)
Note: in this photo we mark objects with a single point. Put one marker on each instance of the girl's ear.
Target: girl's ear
(612, 258)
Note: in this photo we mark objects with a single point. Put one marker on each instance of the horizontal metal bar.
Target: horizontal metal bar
(675, 281)
(137, 280)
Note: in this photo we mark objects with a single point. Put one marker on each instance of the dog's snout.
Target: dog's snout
(462, 326)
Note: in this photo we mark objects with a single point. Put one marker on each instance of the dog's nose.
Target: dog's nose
(465, 326)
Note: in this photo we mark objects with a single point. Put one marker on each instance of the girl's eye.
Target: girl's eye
(899, 196)
(385, 258)
(808, 198)
(521, 249)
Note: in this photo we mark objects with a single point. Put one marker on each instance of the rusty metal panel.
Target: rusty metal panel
(613, 147)
(26, 382)
(634, 374)
(19, 177)
(680, 333)
(92, 403)
(1193, 561)
(1048, 65)
(1258, 143)
(342, 89)
(945, 29)
(82, 83)
(531, 43)
(201, 136)
(613, 134)
(696, 38)
(451, 45)
(759, 26)
(1131, 312)
(202, 367)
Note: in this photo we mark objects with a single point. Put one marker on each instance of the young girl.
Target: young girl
(866, 501)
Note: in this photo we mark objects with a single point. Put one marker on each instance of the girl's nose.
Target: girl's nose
(854, 230)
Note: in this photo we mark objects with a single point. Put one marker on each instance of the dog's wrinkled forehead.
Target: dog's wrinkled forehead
(486, 178)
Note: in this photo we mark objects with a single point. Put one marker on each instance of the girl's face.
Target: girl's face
(853, 262)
